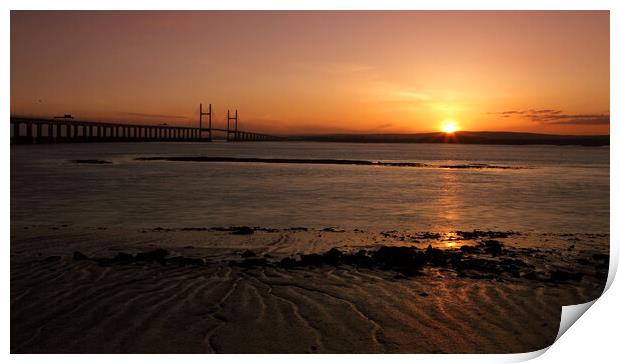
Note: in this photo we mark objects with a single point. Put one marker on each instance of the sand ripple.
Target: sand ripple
(62, 305)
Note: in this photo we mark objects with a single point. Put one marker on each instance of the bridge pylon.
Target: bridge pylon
(228, 120)
(200, 121)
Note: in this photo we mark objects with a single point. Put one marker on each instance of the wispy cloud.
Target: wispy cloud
(554, 116)
(382, 127)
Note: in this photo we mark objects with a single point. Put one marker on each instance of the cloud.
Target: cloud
(554, 116)
(382, 127)
(580, 119)
(511, 112)
(544, 112)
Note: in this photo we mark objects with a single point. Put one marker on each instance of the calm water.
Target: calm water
(566, 190)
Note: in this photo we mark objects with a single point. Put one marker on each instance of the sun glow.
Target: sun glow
(449, 126)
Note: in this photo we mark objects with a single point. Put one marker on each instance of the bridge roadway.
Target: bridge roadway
(27, 130)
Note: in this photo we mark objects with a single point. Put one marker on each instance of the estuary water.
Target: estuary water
(559, 189)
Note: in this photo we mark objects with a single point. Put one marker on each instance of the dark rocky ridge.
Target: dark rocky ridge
(355, 162)
(488, 259)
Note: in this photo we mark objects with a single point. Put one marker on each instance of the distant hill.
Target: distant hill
(462, 137)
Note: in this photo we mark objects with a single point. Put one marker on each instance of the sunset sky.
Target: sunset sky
(318, 72)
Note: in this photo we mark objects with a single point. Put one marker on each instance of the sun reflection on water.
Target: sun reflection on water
(449, 203)
(450, 239)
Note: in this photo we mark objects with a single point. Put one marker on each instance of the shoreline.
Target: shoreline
(209, 287)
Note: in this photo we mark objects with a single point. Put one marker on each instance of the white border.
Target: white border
(315, 5)
(594, 337)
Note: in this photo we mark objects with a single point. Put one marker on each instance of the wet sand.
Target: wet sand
(259, 290)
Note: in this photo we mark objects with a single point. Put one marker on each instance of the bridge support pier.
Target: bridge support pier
(16, 131)
(40, 131)
(29, 137)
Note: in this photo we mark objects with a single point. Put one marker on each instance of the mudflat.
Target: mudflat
(296, 290)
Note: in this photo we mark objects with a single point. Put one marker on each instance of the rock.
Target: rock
(91, 161)
(583, 261)
(252, 262)
(513, 270)
(493, 247)
(469, 249)
(219, 228)
(312, 259)
(79, 256)
(426, 235)
(265, 229)
(435, 256)
(601, 275)
(407, 260)
(395, 255)
(515, 262)
(530, 275)
(195, 229)
(248, 254)
(359, 259)
(183, 261)
(242, 230)
(333, 257)
(51, 258)
(123, 258)
(563, 276)
(603, 257)
(288, 262)
(153, 255)
(453, 257)
(471, 235)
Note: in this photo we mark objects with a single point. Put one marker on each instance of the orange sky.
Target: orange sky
(318, 72)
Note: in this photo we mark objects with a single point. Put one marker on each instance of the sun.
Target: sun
(449, 126)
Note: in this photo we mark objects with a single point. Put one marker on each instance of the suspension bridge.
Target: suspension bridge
(66, 129)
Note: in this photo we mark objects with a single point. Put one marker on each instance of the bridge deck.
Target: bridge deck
(26, 130)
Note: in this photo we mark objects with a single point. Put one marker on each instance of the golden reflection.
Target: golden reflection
(449, 236)
(449, 203)
(450, 239)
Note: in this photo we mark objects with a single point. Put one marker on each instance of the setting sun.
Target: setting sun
(449, 126)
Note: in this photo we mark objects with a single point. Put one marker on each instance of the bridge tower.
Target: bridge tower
(200, 126)
(228, 120)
